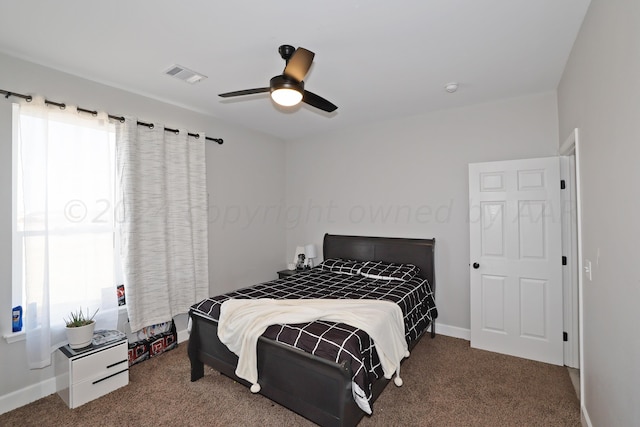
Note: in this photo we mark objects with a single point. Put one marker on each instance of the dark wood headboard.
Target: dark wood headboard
(419, 252)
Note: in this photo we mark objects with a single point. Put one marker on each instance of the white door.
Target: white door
(516, 258)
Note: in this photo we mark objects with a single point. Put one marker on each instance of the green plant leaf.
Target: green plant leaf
(78, 318)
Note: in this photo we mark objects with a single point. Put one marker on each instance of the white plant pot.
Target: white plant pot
(80, 337)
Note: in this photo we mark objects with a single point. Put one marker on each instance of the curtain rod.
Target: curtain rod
(62, 106)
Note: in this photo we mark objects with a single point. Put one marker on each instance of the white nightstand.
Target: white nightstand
(86, 374)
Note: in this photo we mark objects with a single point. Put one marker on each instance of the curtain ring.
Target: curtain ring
(197, 136)
(151, 126)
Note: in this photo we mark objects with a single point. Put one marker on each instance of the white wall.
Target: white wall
(414, 171)
(246, 173)
(600, 94)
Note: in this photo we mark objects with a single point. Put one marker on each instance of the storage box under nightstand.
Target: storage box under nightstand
(86, 374)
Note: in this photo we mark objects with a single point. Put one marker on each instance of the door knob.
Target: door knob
(476, 265)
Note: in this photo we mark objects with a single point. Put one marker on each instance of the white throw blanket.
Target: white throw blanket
(242, 321)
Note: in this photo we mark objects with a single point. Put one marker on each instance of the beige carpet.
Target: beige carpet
(446, 384)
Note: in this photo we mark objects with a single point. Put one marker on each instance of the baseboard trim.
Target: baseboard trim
(584, 417)
(29, 394)
(183, 336)
(452, 331)
(16, 399)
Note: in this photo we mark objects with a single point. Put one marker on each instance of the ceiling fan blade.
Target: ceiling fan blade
(299, 64)
(245, 92)
(318, 102)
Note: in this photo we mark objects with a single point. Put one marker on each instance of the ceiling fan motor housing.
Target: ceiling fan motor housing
(282, 82)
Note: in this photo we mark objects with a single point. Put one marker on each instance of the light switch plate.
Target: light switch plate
(587, 269)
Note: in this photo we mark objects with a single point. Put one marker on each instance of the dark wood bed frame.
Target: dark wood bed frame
(317, 389)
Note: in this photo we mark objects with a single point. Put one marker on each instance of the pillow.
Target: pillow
(388, 270)
(341, 266)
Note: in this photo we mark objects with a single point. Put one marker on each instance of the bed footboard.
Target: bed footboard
(317, 389)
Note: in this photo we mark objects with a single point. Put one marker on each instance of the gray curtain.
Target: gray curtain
(162, 218)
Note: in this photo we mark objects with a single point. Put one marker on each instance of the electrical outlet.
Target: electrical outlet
(587, 269)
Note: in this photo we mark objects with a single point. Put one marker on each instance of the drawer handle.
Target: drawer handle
(117, 363)
(106, 378)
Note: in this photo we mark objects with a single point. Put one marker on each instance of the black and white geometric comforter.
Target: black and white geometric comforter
(338, 342)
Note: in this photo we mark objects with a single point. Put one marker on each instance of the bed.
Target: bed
(321, 390)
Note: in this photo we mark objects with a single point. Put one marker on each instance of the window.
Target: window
(64, 227)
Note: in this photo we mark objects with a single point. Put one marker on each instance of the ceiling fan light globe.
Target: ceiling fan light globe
(286, 97)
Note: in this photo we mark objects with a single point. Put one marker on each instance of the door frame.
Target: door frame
(571, 271)
(571, 147)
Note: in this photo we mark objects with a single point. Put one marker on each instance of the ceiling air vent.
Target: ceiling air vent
(185, 74)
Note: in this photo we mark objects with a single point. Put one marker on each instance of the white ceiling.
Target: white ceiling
(375, 59)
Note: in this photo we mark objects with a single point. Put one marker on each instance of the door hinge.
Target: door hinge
(565, 336)
(564, 260)
(563, 184)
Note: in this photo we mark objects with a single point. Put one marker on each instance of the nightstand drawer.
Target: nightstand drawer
(91, 389)
(101, 364)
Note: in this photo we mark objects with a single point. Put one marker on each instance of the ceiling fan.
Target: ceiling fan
(287, 89)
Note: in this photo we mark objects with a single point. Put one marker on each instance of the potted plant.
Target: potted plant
(80, 328)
